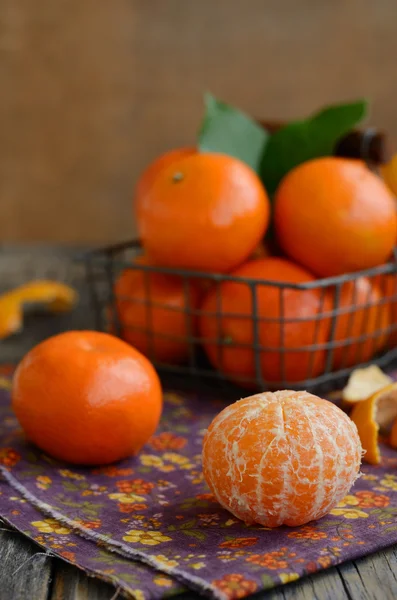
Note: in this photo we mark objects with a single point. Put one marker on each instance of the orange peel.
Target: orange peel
(54, 296)
(363, 383)
(374, 415)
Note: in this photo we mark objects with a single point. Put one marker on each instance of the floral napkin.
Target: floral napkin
(150, 525)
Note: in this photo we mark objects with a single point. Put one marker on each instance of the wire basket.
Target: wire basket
(347, 329)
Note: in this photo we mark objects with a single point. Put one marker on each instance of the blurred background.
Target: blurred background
(92, 90)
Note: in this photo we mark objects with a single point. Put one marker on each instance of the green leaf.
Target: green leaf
(144, 469)
(227, 130)
(300, 141)
(194, 533)
(390, 529)
(70, 486)
(33, 471)
(130, 577)
(181, 429)
(175, 591)
(267, 582)
(188, 524)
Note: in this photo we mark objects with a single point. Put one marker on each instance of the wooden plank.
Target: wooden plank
(326, 585)
(72, 584)
(25, 572)
(19, 265)
(373, 577)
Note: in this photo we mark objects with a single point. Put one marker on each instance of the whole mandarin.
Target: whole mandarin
(387, 286)
(288, 321)
(155, 312)
(334, 216)
(205, 211)
(283, 458)
(362, 323)
(86, 397)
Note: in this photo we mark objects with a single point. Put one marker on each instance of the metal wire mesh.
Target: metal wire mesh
(346, 321)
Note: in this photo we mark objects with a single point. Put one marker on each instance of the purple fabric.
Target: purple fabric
(156, 509)
(132, 577)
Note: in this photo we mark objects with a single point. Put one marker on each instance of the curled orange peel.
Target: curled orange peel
(374, 415)
(363, 383)
(54, 296)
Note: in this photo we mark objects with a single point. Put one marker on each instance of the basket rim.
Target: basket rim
(106, 256)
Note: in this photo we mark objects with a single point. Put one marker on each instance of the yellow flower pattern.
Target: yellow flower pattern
(138, 594)
(51, 526)
(126, 498)
(151, 460)
(349, 513)
(158, 505)
(389, 482)
(146, 538)
(71, 475)
(288, 577)
(164, 560)
(163, 581)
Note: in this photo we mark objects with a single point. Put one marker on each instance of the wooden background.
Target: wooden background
(91, 90)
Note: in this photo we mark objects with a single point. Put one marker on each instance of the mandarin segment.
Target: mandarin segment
(281, 458)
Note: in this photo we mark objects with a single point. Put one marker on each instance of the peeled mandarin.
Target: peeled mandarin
(283, 458)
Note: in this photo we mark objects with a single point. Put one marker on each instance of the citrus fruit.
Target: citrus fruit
(86, 397)
(155, 312)
(363, 383)
(389, 174)
(334, 216)
(283, 458)
(387, 285)
(53, 295)
(288, 322)
(205, 211)
(150, 173)
(362, 323)
(375, 414)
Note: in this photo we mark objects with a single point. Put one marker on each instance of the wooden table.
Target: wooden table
(26, 573)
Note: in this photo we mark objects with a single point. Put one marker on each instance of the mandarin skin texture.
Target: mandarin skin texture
(300, 326)
(335, 216)
(282, 458)
(206, 212)
(87, 397)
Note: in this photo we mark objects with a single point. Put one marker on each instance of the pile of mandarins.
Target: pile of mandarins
(210, 213)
